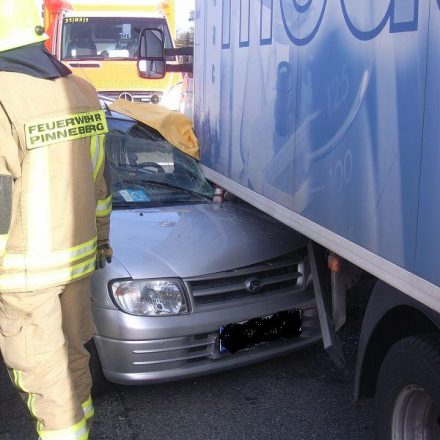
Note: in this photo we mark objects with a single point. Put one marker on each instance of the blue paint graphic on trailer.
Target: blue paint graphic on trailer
(312, 115)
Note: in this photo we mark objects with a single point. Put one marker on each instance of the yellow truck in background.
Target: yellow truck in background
(98, 40)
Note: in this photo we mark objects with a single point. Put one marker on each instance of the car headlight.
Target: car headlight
(150, 297)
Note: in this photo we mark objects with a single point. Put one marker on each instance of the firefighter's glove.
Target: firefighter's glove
(104, 254)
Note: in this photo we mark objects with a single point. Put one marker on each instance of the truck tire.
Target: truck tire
(100, 385)
(407, 398)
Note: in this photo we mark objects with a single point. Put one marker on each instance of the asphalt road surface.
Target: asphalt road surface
(300, 396)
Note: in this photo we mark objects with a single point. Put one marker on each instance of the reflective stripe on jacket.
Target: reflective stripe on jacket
(97, 151)
(53, 147)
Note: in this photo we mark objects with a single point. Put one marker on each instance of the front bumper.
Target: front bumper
(136, 350)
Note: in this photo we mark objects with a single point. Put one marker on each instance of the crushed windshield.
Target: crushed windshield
(106, 37)
(148, 170)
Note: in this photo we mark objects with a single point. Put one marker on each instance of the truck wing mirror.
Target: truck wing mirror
(151, 62)
(152, 56)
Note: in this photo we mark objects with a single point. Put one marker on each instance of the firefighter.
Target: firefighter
(55, 203)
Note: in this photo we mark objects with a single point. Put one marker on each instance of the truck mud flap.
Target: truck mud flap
(331, 341)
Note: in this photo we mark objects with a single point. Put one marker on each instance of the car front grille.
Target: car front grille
(134, 96)
(270, 276)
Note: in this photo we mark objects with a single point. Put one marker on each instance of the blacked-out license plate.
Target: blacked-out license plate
(279, 326)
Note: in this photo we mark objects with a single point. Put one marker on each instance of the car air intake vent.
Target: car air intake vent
(263, 278)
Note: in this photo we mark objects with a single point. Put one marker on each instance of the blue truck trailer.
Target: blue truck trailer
(325, 114)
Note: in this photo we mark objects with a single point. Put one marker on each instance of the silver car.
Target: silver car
(195, 286)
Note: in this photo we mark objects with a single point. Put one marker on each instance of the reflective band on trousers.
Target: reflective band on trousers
(88, 409)
(79, 431)
(97, 153)
(34, 281)
(49, 261)
(104, 207)
(17, 378)
(64, 128)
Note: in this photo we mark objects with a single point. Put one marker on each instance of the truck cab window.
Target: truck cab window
(107, 37)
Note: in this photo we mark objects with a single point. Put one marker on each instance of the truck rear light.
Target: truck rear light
(334, 262)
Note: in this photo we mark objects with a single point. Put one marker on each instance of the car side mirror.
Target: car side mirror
(151, 62)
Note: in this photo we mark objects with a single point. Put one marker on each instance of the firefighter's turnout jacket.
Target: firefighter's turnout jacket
(52, 181)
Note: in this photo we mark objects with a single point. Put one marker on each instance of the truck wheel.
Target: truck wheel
(100, 385)
(407, 399)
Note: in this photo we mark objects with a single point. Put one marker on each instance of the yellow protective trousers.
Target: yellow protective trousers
(42, 337)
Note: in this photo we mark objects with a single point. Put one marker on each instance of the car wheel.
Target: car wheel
(407, 399)
(100, 385)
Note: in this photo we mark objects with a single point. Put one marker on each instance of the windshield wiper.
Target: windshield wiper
(131, 204)
(85, 58)
(174, 187)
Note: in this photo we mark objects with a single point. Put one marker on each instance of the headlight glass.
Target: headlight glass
(150, 297)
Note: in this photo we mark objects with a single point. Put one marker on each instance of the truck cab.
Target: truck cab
(100, 42)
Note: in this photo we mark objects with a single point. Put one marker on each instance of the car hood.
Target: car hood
(192, 240)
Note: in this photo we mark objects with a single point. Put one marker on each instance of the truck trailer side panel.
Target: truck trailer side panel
(427, 260)
(324, 114)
